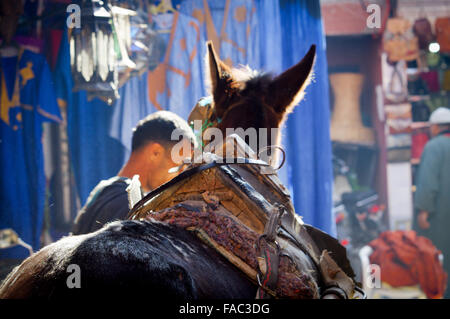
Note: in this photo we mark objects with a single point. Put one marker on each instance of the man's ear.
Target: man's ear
(154, 153)
(287, 89)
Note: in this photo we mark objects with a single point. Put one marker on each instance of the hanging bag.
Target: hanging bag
(422, 30)
(399, 42)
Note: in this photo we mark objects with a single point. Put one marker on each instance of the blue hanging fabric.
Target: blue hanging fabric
(308, 144)
(27, 100)
(177, 82)
(232, 26)
(94, 154)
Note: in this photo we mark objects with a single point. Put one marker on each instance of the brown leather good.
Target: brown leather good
(442, 26)
(399, 41)
(422, 30)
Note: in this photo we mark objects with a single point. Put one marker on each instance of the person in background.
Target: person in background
(432, 197)
(151, 159)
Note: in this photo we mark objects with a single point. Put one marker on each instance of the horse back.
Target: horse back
(128, 259)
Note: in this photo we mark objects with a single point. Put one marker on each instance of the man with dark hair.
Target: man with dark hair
(432, 197)
(152, 155)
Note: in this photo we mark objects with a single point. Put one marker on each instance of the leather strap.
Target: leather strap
(269, 255)
(280, 222)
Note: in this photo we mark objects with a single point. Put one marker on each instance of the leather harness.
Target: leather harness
(336, 276)
(281, 222)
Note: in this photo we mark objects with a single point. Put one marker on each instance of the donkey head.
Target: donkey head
(247, 99)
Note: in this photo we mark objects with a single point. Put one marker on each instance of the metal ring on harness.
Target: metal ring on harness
(274, 146)
(362, 292)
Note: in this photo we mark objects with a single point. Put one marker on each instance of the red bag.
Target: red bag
(419, 140)
(399, 41)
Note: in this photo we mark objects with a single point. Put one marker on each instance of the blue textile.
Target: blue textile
(94, 154)
(183, 68)
(231, 25)
(307, 129)
(23, 110)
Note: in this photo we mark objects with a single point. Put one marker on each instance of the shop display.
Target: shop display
(346, 123)
(422, 30)
(395, 83)
(398, 118)
(399, 41)
(398, 134)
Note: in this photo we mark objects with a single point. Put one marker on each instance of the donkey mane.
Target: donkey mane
(258, 83)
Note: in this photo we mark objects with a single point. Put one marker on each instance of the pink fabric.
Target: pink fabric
(418, 144)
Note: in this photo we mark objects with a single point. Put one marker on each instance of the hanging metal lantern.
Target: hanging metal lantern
(93, 54)
(147, 45)
(121, 23)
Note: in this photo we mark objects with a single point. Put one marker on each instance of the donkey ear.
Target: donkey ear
(287, 89)
(219, 75)
(214, 67)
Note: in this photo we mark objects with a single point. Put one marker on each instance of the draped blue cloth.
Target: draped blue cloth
(27, 101)
(265, 34)
(94, 154)
(308, 144)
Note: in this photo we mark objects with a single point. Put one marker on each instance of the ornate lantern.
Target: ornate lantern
(93, 54)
